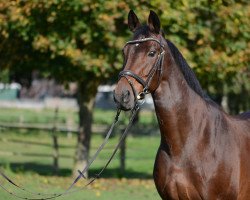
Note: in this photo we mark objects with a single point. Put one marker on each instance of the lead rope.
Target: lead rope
(81, 173)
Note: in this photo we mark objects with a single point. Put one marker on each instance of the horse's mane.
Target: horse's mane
(187, 72)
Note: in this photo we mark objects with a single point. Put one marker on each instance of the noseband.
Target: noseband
(157, 68)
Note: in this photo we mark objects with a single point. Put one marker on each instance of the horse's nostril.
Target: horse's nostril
(125, 96)
(126, 93)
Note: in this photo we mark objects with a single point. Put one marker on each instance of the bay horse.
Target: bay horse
(204, 153)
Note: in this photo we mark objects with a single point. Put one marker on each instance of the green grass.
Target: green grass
(103, 189)
(36, 172)
(30, 163)
(32, 152)
(35, 116)
(44, 116)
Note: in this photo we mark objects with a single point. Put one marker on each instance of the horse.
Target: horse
(203, 151)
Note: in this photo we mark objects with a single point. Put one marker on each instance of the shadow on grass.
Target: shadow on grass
(117, 173)
(32, 167)
(48, 170)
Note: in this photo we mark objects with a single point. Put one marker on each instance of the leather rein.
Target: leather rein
(157, 68)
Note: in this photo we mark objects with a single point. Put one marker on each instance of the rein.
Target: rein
(47, 196)
(157, 68)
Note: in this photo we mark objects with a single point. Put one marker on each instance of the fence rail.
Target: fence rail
(54, 129)
(50, 127)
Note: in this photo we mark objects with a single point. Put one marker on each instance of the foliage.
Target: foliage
(214, 36)
(81, 39)
(4, 76)
(72, 40)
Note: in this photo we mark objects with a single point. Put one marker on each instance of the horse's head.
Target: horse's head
(143, 57)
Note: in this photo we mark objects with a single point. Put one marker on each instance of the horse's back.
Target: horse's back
(244, 116)
(241, 125)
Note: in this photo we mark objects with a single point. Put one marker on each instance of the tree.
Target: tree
(77, 40)
(214, 37)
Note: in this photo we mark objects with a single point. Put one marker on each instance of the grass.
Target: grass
(44, 116)
(103, 189)
(33, 153)
(30, 164)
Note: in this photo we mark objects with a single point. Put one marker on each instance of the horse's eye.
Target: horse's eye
(152, 53)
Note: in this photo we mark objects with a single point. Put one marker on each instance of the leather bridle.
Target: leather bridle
(157, 68)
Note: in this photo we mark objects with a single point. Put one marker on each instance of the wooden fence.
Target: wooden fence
(54, 128)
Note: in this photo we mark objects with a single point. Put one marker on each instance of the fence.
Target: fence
(54, 128)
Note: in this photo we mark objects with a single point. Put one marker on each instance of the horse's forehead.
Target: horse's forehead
(140, 45)
(136, 47)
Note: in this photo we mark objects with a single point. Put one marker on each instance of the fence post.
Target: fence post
(123, 154)
(55, 143)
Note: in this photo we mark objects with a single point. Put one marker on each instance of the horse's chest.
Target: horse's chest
(175, 182)
(177, 186)
(172, 182)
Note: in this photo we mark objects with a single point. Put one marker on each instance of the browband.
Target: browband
(144, 40)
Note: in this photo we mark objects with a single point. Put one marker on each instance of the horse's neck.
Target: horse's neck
(177, 107)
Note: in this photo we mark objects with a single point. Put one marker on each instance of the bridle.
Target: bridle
(156, 69)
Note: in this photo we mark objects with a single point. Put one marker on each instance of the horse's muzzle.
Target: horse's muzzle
(124, 100)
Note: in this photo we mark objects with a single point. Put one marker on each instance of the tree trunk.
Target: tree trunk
(86, 98)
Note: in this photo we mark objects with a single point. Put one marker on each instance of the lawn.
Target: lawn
(44, 116)
(103, 189)
(27, 158)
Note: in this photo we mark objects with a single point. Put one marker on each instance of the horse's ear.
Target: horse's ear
(133, 21)
(154, 22)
